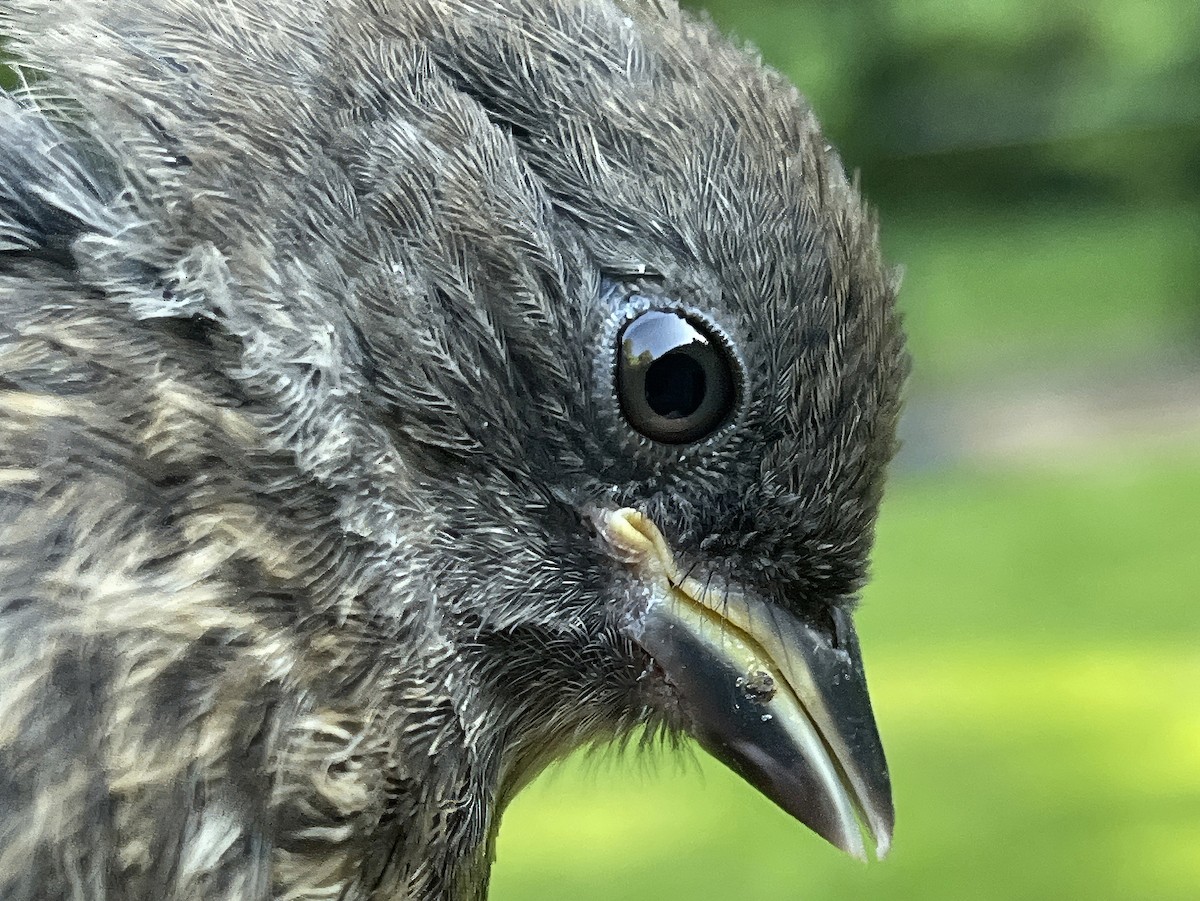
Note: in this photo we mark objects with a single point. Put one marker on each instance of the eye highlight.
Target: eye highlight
(675, 380)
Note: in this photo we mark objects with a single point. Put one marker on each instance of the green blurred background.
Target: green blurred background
(1033, 629)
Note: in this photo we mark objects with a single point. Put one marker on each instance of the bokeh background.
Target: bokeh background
(1033, 630)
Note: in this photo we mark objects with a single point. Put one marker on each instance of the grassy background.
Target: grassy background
(1033, 630)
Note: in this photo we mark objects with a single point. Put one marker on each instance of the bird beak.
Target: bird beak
(776, 700)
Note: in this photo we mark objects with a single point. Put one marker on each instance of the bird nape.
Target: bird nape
(396, 395)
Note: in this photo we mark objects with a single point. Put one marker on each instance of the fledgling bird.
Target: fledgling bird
(396, 395)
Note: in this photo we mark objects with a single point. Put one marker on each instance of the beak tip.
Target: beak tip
(883, 843)
(864, 840)
(857, 850)
(881, 823)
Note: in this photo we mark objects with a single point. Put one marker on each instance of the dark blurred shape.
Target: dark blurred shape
(1006, 102)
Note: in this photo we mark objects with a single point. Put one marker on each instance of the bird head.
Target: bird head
(571, 312)
(673, 396)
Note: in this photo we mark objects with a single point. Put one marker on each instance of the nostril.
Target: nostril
(830, 622)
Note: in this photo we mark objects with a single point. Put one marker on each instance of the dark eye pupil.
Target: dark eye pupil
(675, 386)
(675, 379)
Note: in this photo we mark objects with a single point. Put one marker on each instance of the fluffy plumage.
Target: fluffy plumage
(306, 417)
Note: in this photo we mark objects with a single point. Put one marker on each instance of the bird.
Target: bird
(397, 395)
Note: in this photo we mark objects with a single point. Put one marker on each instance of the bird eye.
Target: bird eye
(675, 381)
